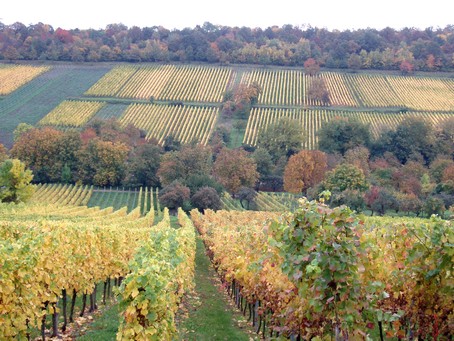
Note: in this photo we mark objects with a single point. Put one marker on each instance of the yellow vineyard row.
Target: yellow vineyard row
(164, 82)
(72, 113)
(185, 123)
(311, 121)
(291, 87)
(14, 76)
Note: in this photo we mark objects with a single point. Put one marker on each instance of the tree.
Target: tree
(283, 138)
(359, 157)
(318, 92)
(351, 198)
(15, 182)
(264, 162)
(380, 200)
(340, 135)
(311, 67)
(344, 177)
(143, 166)
(174, 195)
(206, 198)
(188, 161)
(38, 149)
(413, 138)
(102, 163)
(433, 205)
(3, 153)
(247, 197)
(406, 67)
(304, 170)
(198, 181)
(20, 129)
(234, 168)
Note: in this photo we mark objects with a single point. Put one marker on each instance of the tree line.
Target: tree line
(409, 169)
(409, 49)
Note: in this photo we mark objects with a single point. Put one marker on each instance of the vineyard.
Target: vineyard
(164, 82)
(311, 121)
(183, 122)
(290, 88)
(52, 253)
(72, 113)
(13, 77)
(187, 98)
(143, 200)
(321, 272)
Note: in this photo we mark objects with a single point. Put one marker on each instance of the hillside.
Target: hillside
(183, 100)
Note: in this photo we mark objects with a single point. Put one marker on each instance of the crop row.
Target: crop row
(185, 123)
(14, 76)
(72, 113)
(291, 88)
(311, 121)
(164, 82)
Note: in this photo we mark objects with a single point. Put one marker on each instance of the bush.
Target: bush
(206, 197)
(174, 195)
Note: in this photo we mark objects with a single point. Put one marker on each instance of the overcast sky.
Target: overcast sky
(330, 14)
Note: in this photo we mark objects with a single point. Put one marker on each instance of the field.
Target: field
(164, 82)
(34, 100)
(311, 121)
(183, 100)
(13, 77)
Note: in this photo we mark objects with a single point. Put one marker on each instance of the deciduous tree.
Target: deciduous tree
(15, 181)
(174, 195)
(311, 67)
(180, 165)
(206, 198)
(3, 153)
(340, 135)
(304, 170)
(38, 149)
(234, 168)
(282, 139)
(102, 163)
(344, 177)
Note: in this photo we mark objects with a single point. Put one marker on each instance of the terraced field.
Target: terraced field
(31, 102)
(311, 120)
(186, 98)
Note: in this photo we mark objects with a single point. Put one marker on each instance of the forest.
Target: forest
(408, 49)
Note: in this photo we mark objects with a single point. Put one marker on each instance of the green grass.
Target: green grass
(104, 327)
(209, 315)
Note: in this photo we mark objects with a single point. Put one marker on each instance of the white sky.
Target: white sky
(330, 14)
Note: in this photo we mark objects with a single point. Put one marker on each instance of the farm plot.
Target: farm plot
(185, 123)
(72, 113)
(311, 121)
(13, 77)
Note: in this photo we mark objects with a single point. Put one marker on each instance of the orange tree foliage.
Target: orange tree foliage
(304, 170)
(234, 169)
(38, 149)
(103, 162)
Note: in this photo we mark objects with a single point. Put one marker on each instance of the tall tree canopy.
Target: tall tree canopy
(304, 170)
(234, 169)
(340, 135)
(282, 139)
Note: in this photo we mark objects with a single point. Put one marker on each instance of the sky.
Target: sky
(329, 14)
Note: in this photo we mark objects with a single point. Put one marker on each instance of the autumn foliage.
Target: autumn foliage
(234, 169)
(304, 170)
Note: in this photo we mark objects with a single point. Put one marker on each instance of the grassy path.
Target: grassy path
(206, 314)
(209, 314)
